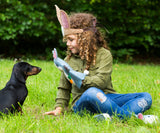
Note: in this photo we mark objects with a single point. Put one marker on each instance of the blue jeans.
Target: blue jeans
(94, 100)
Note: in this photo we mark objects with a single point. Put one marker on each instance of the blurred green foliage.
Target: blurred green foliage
(31, 27)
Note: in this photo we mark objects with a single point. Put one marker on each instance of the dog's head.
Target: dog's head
(23, 69)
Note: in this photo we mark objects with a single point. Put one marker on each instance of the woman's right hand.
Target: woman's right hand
(56, 112)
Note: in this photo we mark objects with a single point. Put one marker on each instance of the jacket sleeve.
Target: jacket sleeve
(100, 75)
(63, 93)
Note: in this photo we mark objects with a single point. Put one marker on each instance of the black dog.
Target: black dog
(15, 91)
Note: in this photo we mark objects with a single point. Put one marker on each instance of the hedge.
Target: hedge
(132, 27)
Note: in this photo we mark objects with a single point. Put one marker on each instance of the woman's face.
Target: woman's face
(72, 43)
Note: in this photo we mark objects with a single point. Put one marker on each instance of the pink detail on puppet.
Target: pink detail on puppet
(54, 54)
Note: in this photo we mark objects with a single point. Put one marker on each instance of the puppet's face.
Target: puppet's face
(72, 43)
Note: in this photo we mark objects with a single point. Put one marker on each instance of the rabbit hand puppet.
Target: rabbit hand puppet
(72, 75)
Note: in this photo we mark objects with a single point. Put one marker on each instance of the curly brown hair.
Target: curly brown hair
(89, 40)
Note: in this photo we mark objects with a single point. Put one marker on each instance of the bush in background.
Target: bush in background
(31, 27)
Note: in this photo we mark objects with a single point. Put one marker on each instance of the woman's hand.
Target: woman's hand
(55, 112)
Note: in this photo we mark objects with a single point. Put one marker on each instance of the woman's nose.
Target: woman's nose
(68, 43)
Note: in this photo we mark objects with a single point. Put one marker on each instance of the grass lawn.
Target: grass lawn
(42, 93)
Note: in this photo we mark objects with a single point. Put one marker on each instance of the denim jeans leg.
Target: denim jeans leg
(95, 101)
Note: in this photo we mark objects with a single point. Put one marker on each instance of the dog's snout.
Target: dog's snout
(35, 70)
(39, 69)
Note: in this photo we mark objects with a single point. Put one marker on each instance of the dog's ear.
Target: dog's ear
(19, 74)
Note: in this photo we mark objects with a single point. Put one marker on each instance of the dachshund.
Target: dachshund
(13, 95)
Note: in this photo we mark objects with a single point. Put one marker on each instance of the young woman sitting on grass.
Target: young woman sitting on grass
(88, 51)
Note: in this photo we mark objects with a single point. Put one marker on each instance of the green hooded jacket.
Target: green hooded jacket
(99, 76)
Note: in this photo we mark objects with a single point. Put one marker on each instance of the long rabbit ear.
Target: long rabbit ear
(63, 18)
(58, 14)
(65, 23)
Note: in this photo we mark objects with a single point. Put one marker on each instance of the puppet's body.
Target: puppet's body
(72, 75)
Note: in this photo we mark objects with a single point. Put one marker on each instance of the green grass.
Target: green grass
(42, 93)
